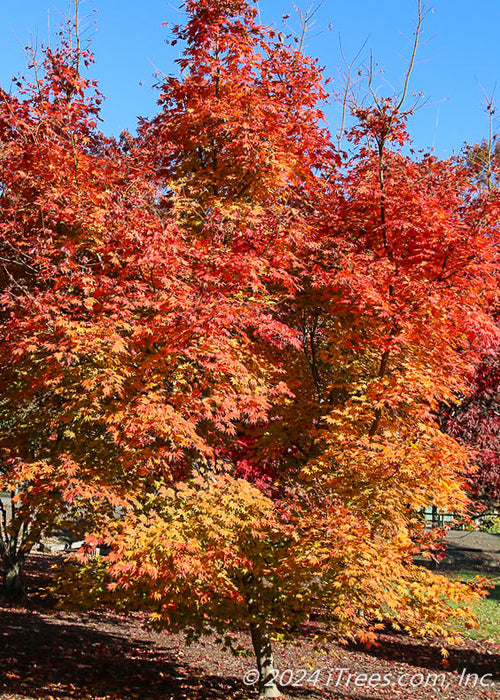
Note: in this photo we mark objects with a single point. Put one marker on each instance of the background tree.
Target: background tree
(474, 421)
(483, 158)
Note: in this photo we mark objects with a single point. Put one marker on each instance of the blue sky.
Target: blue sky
(459, 56)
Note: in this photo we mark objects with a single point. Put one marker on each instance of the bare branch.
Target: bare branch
(370, 83)
(416, 42)
(306, 22)
(347, 89)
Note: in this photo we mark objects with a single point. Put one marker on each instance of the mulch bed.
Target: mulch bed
(48, 654)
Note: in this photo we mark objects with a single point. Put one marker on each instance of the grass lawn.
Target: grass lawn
(488, 610)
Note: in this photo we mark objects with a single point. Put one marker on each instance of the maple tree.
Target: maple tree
(240, 335)
(82, 260)
(360, 267)
(47, 153)
(239, 191)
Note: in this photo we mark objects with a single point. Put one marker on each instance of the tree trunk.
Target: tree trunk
(265, 664)
(12, 587)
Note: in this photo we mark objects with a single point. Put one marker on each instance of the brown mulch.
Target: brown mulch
(46, 654)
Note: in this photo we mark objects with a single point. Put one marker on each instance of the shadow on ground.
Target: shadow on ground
(425, 655)
(55, 657)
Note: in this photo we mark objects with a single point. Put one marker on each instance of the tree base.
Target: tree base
(12, 589)
(270, 692)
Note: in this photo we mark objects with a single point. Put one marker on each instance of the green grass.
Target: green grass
(488, 610)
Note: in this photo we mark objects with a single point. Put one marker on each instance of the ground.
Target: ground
(47, 654)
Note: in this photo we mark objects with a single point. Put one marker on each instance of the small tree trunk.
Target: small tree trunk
(265, 664)
(12, 587)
